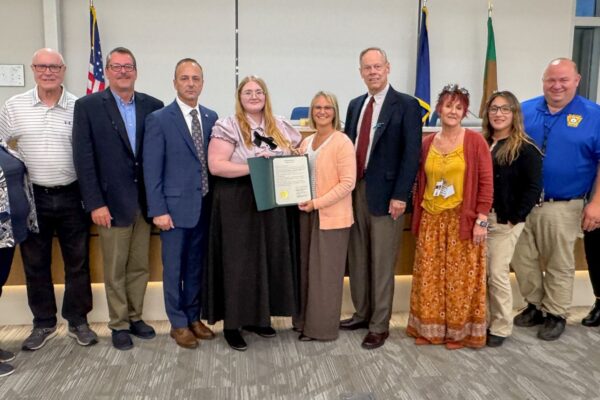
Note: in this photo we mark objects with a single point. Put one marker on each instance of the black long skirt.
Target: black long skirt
(252, 271)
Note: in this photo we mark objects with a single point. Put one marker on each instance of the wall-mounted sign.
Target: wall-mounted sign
(12, 75)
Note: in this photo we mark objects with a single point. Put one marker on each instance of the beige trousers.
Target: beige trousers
(501, 243)
(547, 244)
(374, 243)
(126, 271)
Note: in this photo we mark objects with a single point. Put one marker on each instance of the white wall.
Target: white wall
(299, 47)
(21, 33)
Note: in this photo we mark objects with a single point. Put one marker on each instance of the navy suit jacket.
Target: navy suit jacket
(109, 172)
(172, 169)
(395, 149)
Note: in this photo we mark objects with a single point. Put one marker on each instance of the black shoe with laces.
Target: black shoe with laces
(530, 316)
(554, 326)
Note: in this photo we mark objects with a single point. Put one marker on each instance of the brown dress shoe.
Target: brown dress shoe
(184, 337)
(201, 331)
(374, 340)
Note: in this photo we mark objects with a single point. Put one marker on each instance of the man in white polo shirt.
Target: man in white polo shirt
(40, 121)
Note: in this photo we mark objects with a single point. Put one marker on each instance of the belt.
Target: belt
(56, 189)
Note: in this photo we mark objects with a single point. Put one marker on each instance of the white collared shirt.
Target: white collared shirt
(378, 102)
(43, 135)
(185, 110)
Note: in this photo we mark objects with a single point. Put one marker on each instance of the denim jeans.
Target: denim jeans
(59, 211)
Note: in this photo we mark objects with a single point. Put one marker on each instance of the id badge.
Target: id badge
(439, 186)
(447, 191)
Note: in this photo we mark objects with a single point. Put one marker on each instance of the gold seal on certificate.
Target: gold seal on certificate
(279, 181)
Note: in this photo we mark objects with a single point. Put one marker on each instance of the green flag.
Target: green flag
(490, 76)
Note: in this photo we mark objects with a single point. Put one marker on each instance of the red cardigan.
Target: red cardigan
(478, 192)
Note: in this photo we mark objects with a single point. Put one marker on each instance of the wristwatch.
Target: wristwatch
(482, 223)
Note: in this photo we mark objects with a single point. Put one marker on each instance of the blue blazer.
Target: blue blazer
(109, 172)
(172, 168)
(395, 149)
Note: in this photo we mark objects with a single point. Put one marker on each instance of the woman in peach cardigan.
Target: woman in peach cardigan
(325, 223)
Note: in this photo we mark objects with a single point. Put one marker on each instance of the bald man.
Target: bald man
(40, 121)
(566, 127)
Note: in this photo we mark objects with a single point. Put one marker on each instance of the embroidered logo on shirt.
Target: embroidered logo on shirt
(573, 120)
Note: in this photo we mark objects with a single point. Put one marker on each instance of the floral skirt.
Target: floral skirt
(447, 301)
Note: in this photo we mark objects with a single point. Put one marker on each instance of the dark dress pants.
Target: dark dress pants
(183, 255)
(58, 210)
(591, 242)
(6, 258)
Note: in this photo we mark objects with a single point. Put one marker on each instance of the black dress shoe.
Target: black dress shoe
(494, 341)
(553, 327)
(593, 318)
(121, 340)
(374, 340)
(141, 329)
(351, 324)
(235, 340)
(264, 331)
(530, 316)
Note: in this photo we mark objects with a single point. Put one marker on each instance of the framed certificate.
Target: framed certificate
(280, 181)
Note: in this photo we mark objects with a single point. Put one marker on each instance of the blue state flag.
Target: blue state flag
(423, 85)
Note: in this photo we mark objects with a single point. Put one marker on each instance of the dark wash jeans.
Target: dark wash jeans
(58, 210)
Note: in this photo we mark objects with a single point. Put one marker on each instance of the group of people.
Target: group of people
(123, 159)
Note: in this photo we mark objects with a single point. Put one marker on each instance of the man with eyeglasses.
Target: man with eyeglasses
(177, 185)
(385, 126)
(566, 127)
(108, 134)
(40, 121)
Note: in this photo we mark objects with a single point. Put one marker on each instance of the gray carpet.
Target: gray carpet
(284, 368)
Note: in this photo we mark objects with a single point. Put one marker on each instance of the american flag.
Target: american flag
(96, 70)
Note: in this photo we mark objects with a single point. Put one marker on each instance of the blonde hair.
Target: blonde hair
(510, 151)
(268, 117)
(330, 97)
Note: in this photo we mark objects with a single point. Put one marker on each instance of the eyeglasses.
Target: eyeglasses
(121, 67)
(43, 67)
(375, 67)
(323, 108)
(249, 93)
(505, 109)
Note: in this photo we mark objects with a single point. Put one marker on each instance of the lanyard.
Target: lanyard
(548, 125)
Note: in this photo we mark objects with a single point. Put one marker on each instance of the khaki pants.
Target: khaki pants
(374, 243)
(548, 243)
(501, 243)
(126, 271)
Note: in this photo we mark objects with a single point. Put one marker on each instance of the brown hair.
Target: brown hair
(510, 151)
(121, 50)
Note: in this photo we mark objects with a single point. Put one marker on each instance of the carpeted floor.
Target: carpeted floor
(285, 368)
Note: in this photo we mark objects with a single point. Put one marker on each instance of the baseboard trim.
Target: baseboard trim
(15, 311)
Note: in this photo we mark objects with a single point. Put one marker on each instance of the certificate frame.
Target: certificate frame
(280, 181)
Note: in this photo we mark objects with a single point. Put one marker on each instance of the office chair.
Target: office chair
(299, 112)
